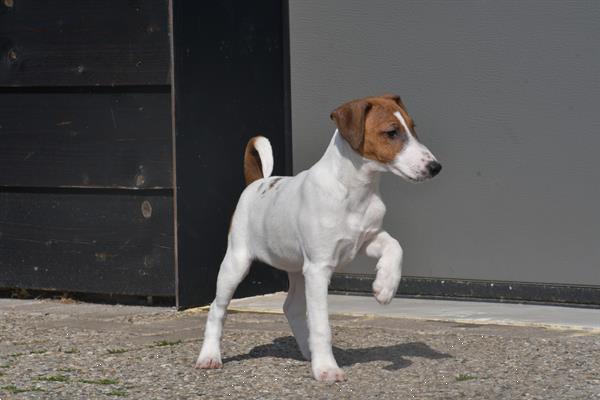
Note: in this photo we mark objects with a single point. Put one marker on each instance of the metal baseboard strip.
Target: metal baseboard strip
(466, 289)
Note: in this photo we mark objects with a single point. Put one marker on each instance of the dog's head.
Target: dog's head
(380, 129)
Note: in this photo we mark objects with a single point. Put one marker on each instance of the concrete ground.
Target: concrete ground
(423, 349)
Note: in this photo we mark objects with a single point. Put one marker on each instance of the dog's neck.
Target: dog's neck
(359, 175)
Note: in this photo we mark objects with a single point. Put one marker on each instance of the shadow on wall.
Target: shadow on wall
(286, 347)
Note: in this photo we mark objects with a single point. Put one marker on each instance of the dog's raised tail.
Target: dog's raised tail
(258, 159)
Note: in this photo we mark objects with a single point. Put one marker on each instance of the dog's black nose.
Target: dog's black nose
(434, 168)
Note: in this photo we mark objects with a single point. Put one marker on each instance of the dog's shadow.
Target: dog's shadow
(286, 347)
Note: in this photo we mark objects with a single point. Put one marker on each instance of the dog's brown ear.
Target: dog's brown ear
(394, 97)
(350, 120)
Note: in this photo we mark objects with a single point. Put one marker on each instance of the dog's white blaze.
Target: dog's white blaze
(412, 161)
(398, 115)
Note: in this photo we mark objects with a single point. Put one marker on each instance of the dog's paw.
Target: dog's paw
(331, 374)
(209, 358)
(384, 291)
(209, 363)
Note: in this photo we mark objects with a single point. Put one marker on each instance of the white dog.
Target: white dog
(317, 221)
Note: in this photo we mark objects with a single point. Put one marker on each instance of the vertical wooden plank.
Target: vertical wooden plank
(230, 84)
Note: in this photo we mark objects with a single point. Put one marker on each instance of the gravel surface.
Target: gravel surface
(50, 350)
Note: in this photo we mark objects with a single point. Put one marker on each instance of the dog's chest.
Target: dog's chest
(364, 221)
(351, 226)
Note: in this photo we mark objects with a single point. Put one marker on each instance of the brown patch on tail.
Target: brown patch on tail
(252, 164)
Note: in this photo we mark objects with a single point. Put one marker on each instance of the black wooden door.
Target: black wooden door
(97, 192)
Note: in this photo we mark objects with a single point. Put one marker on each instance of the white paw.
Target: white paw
(329, 374)
(384, 288)
(209, 358)
(209, 363)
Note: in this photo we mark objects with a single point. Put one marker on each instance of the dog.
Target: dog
(314, 223)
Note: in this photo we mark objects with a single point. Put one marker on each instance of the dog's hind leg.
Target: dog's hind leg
(233, 269)
(295, 311)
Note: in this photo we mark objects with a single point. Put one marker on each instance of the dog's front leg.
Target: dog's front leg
(323, 364)
(389, 267)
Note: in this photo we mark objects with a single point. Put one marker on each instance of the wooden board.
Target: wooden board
(219, 104)
(98, 242)
(86, 140)
(84, 42)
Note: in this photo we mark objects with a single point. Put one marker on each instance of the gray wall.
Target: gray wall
(505, 93)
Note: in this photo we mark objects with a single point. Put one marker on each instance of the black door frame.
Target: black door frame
(231, 82)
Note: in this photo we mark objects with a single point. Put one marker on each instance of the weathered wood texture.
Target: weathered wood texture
(84, 42)
(86, 140)
(88, 242)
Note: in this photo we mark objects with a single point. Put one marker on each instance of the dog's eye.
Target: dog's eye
(392, 134)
